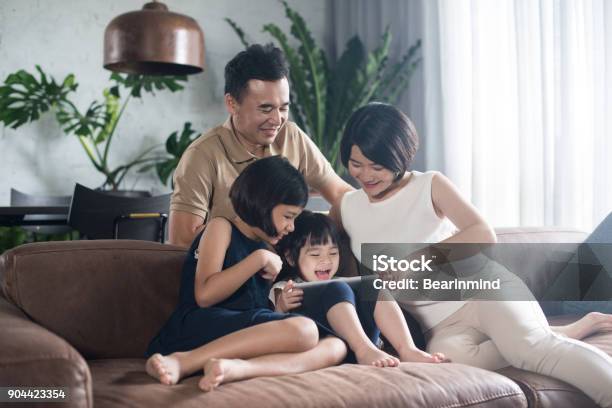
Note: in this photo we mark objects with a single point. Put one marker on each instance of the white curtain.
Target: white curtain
(513, 101)
(518, 106)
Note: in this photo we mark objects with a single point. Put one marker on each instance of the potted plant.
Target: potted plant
(176, 144)
(324, 96)
(24, 98)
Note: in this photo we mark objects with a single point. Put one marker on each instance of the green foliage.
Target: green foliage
(323, 97)
(175, 147)
(11, 237)
(24, 98)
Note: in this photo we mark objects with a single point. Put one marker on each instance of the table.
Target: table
(33, 215)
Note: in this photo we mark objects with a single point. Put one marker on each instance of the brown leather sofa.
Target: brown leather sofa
(80, 314)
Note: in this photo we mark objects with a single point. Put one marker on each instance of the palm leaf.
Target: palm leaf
(397, 78)
(301, 95)
(340, 86)
(314, 61)
(239, 32)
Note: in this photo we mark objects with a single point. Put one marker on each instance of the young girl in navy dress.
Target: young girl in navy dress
(311, 253)
(223, 322)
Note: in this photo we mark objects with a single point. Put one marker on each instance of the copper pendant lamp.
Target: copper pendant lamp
(154, 41)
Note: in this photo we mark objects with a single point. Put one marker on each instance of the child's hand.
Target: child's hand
(271, 264)
(290, 298)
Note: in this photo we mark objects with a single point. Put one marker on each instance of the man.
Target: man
(257, 99)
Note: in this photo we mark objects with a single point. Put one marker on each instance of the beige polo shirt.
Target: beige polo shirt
(210, 165)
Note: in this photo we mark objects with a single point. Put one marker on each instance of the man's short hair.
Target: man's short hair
(263, 62)
(263, 185)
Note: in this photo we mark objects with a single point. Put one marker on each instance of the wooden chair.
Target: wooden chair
(100, 215)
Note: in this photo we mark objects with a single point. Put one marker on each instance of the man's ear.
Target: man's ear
(230, 104)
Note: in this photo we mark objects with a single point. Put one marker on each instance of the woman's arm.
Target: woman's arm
(447, 201)
(212, 287)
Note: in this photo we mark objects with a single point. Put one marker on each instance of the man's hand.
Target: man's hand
(289, 298)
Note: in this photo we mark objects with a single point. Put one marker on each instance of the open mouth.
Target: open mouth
(370, 185)
(270, 132)
(323, 274)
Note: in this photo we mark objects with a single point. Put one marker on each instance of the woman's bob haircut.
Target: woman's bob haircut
(384, 134)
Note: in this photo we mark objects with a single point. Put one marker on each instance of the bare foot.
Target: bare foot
(218, 371)
(414, 355)
(591, 323)
(376, 357)
(166, 369)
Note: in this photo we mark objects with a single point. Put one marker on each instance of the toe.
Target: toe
(203, 385)
(157, 364)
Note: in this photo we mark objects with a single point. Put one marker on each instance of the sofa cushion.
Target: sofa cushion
(546, 392)
(123, 382)
(106, 298)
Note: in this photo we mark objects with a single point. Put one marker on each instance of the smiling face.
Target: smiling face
(262, 111)
(318, 262)
(283, 217)
(372, 177)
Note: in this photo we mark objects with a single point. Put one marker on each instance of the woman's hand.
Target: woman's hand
(271, 264)
(289, 298)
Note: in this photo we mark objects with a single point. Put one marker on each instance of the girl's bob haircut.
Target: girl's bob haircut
(384, 134)
(263, 185)
(310, 229)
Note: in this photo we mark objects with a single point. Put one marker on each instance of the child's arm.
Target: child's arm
(212, 287)
(288, 298)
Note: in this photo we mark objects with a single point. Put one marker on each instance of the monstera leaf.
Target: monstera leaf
(136, 83)
(175, 147)
(24, 98)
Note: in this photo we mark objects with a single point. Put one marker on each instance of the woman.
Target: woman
(397, 205)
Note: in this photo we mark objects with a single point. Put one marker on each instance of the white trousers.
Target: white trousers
(495, 334)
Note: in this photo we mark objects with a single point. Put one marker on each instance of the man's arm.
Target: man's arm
(183, 227)
(333, 190)
(320, 175)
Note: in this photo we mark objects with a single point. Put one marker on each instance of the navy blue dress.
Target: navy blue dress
(191, 326)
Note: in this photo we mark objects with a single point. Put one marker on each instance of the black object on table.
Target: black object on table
(19, 198)
(21, 215)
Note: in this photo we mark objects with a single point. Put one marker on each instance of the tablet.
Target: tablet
(314, 290)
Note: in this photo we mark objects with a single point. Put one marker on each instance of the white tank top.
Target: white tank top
(408, 216)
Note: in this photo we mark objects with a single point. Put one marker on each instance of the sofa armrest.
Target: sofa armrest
(32, 356)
